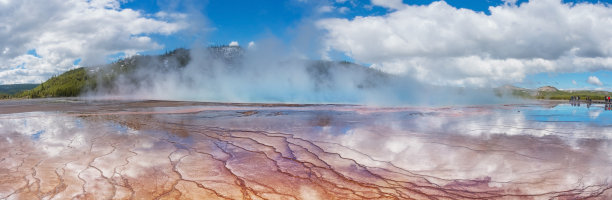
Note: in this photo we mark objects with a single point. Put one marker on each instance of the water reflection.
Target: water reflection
(203, 152)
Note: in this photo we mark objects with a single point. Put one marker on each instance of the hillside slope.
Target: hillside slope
(128, 75)
(68, 84)
(15, 88)
(113, 78)
(552, 93)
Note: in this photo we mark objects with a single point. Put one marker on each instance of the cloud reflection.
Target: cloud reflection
(292, 152)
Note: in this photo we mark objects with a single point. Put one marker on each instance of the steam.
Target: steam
(266, 73)
(269, 71)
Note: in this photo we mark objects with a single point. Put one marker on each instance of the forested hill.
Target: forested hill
(552, 93)
(76, 81)
(128, 72)
(6, 90)
(68, 84)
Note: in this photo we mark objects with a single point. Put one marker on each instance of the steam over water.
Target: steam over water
(233, 74)
(62, 149)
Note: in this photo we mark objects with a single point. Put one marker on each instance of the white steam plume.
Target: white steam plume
(269, 74)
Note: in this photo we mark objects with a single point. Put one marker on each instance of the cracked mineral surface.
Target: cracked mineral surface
(79, 149)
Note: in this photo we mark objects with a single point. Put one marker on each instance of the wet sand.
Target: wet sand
(69, 148)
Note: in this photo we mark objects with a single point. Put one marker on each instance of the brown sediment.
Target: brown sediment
(248, 113)
(240, 153)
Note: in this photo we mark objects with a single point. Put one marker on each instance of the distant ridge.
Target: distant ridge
(10, 89)
(550, 92)
(85, 79)
(81, 80)
(548, 89)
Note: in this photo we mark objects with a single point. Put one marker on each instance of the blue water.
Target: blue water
(36, 136)
(595, 114)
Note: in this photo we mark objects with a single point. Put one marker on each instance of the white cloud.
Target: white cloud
(233, 44)
(325, 9)
(510, 2)
(111, 4)
(593, 80)
(329, 9)
(392, 4)
(574, 82)
(343, 10)
(62, 31)
(444, 45)
(251, 44)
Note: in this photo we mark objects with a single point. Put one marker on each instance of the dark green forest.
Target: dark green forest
(68, 84)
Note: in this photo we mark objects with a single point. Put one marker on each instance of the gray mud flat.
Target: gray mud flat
(69, 148)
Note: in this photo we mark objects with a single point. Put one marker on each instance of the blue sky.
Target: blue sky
(332, 29)
(245, 21)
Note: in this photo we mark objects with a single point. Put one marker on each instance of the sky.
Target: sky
(478, 43)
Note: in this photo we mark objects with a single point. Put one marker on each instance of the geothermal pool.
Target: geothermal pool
(71, 148)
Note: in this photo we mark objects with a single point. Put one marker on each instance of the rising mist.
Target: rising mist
(269, 75)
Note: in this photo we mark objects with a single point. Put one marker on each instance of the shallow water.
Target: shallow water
(68, 148)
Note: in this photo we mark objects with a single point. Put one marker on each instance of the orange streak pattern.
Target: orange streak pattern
(152, 151)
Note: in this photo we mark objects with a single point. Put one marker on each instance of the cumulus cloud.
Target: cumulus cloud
(331, 9)
(593, 80)
(233, 44)
(343, 10)
(392, 4)
(510, 2)
(444, 45)
(325, 9)
(63, 31)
